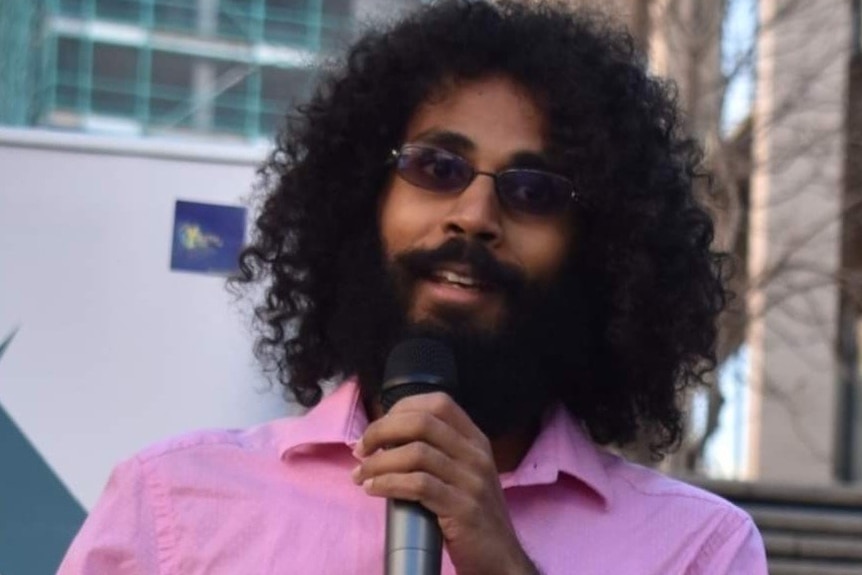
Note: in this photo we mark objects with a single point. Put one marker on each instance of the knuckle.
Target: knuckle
(422, 484)
(486, 463)
(477, 489)
(387, 481)
(439, 403)
(473, 509)
(483, 461)
(484, 443)
(370, 467)
(418, 453)
(371, 434)
(421, 424)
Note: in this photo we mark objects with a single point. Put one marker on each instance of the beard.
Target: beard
(508, 373)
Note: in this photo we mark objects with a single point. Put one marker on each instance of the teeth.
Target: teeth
(456, 278)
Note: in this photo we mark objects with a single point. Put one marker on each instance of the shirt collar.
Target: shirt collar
(339, 418)
(561, 446)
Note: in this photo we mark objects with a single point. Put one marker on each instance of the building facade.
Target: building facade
(171, 68)
(789, 207)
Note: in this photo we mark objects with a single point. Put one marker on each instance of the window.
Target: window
(281, 89)
(233, 84)
(115, 72)
(72, 8)
(68, 94)
(176, 14)
(128, 11)
(235, 20)
(170, 89)
(289, 22)
(168, 82)
(335, 25)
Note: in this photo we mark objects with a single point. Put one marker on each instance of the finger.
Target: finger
(443, 407)
(398, 428)
(414, 456)
(465, 457)
(418, 486)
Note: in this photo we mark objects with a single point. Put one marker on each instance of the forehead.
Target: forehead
(497, 115)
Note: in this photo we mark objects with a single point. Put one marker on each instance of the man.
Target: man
(508, 179)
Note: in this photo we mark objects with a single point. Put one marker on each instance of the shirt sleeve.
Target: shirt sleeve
(120, 535)
(736, 550)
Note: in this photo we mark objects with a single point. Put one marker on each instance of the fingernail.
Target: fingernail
(355, 474)
(358, 449)
(366, 485)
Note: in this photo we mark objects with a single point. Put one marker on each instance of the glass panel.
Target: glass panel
(281, 89)
(287, 22)
(230, 103)
(176, 14)
(336, 24)
(72, 7)
(119, 10)
(114, 79)
(235, 20)
(186, 92)
(68, 72)
(171, 89)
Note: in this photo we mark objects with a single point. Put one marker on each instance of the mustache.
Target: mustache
(484, 266)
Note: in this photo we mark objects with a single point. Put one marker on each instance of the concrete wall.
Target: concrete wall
(685, 42)
(851, 334)
(114, 350)
(794, 237)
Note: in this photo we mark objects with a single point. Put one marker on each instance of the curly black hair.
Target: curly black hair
(654, 284)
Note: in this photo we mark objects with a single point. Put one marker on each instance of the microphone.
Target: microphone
(414, 544)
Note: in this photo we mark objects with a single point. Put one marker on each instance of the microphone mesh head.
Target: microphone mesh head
(418, 365)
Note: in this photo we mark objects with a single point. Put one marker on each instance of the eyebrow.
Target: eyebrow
(461, 144)
(452, 141)
(533, 160)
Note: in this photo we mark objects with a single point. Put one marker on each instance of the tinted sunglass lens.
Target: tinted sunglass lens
(433, 169)
(534, 192)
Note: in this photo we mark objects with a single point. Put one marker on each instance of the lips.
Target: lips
(460, 276)
(458, 269)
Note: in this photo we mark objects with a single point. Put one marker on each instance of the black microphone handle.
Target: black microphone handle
(414, 543)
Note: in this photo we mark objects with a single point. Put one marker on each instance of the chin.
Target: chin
(457, 320)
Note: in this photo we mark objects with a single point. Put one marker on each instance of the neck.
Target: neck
(511, 448)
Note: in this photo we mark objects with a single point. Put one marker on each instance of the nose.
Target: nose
(475, 212)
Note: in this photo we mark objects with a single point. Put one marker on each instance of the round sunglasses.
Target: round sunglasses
(524, 190)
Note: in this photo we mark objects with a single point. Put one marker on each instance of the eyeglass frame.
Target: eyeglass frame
(574, 197)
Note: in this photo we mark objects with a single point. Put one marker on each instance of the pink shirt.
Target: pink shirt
(278, 498)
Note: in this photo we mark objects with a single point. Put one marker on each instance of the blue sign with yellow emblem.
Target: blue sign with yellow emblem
(207, 237)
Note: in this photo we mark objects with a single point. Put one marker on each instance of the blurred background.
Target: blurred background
(130, 131)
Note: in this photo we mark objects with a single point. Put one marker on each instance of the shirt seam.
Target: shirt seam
(158, 452)
(713, 500)
(716, 541)
(162, 511)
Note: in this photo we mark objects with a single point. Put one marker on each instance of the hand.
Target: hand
(443, 461)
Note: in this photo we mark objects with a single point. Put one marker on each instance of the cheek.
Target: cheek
(391, 216)
(542, 253)
(403, 219)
